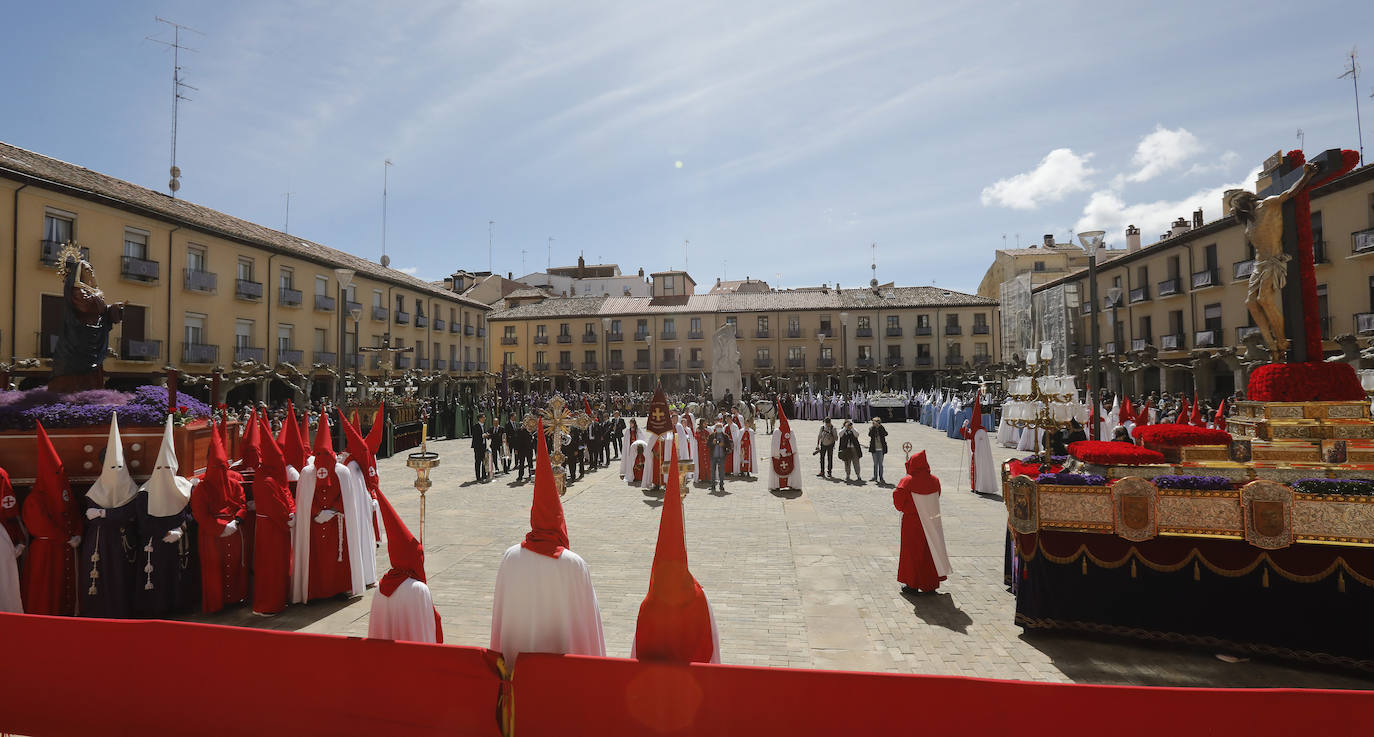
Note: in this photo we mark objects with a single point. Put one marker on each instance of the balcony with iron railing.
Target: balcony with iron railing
(893, 332)
(540, 339)
(402, 318)
(291, 356)
(864, 362)
(589, 366)
(954, 359)
(422, 363)
(893, 362)
(352, 307)
(379, 313)
(1245, 331)
(1326, 322)
(193, 280)
(696, 363)
(1087, 307)
(421, 320)
(641, 336)
(402, 360)
(1242, 269)
(589, 337)
(288, 297)
(1139, 294)
(922, 330)
(1169, 287)
(249, 353)
(1205, 278)
(1140, 344)
(763, 363)
(1205, 339)
(131, 349)
(440, 364)
(1109, 303)
(1172, 342)
(329, 358)
(641, 365)
(615, 337)
(863, 332)
(953, 330)
(48, 252)
(1362, 241)
(1109, 348)
(481, 332)
(469, 366)
(324, 303)
(564, 338)
(981, 328)
(925, 360)
(199, 353)
(794, 333)
(762, 334)
(825, 332)
(247, 289)
(982, 359)
(1364, 323)
(668, 364)
(565, 365)
(353, 361)
(695, 335)
(512, 340)
(456, 329)
(825, 362)
(615, 365)
(1319, 252)
(796, 363)
(439, 325)
(139, 269)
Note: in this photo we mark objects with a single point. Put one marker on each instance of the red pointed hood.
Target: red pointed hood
(1196, 417)
(1220, 418)
(291, 446)
(374, 433)
(1182, 418)
(216, 460)
(250, 448)
(783, 425)
(976, 419)
(406, 554)
(1143, 417)
(548, 529)
(918, 478)
(52, 475)
(353, 417)
(324, 445)
(1127, 413)
(674, 619)
(359, 452)
(272, 463)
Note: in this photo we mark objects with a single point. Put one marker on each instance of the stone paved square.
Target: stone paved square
(804, 580)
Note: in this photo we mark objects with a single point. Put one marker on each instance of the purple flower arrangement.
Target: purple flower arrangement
(147, 405)
(1195, 483)
(1072, 479)
(1347, 487)
(1054, 460)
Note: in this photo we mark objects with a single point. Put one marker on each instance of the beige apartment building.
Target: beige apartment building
(209, 293)
(1043, 263)
(883, 336)
(1173, 317)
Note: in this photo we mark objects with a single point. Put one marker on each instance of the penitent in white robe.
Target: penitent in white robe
(627, 462)
(1027, 440)
(928, 509)
(770, 477)
(10, 600)
(408, 614)
(353, 516)
(545, 605)
(366, 531)
(984, 471)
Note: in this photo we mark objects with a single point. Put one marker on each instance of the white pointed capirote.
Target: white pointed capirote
(168, 493)
(115, 487)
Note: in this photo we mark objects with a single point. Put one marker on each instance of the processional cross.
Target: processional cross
(558, 422)
(386, 348)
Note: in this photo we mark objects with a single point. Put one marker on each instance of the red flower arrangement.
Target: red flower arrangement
(1109, 453)
(1314, 381)
(1017, 467)
(1169, 434)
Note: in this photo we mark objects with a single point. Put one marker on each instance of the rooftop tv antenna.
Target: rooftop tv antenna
(1354, 73)
(176, 46)
(386, 170)
(287, 228)
(685, 244)
(873, 249)
(1301, 139)
(491, 227)
(548, 258)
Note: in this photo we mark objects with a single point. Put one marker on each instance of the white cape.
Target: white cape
(626, 460)
(770, 478)
(10, 600)
(408, 614)
(928, 509)
(1027, 440)
(715, 635)
(545, 605)
(985, 472)
(367, 531)
(305, 497)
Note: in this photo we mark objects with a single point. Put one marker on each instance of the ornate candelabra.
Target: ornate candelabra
(1038, 401)
(423, 462)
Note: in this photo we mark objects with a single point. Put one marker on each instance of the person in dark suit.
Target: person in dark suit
(506, 445)
(480, 436)
(617, 434)
(522, 442)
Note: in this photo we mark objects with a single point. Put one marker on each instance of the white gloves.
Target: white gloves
(230, 529)
(95, 513)
(18, 550)
(75, 541)
(375, 506)
(173, 536)
(291, 520)
(325, 516)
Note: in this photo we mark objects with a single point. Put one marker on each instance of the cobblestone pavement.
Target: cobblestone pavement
(796, 579)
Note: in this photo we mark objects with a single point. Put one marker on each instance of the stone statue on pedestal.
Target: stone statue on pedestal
(725, 369)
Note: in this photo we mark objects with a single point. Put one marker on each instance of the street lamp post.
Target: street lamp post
(1092, 240)
(344, 278)
(649, 340)
(844, 347)
(606, 359)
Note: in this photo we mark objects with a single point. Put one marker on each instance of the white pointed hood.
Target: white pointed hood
(115, 487)
(168, 493)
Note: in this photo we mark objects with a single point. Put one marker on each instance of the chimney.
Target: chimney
(717, 281)
(581, 266)
(448, 282)
(1180, 227)
(1132, 238)
(1197, 218)
(510, 275)
(1049, 240)
(641, 271)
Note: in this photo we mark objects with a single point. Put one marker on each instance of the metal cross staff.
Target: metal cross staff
(558, 421)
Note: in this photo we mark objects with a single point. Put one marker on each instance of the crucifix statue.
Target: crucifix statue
(558, 422)
(390, 352)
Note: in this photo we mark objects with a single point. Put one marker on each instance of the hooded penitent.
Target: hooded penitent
(11, 600)
(110, 523)
(168, 492)
(164, 528)
(272, 539)
(218, 505)
(290, 441)
(361, 483)
(52, 518)
(115, 487)
(675, 622)
(548, 533)
(404, 608)
(327, 559)
(360, 451)
(923, 563)
(782, 471)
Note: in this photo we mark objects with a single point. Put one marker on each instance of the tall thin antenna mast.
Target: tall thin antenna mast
(548, 259)
(522, 262)
(386, 170)
(174, 183)
(685, 243)
(287, 228)
(873, 249)
(1354, 73)
(1302, 139)
(491, 225)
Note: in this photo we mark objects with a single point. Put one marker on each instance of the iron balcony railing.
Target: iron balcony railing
(893, 362)
(1204, 278)
(199, 281)
(324, 303)
(794, 333)
(1110, 348)
(1139, 344)
(1205, 339)
(761, 334)
(288, 297)
(954, 359)
(440, 364)
(1140, 294)
(614, 337)
(668, 364)
(402, 361)
(291, 356)
(379, 313)
(589, 366)
(512, 340)
(925, 360)
(249, 353)
(824, 362)
(439, 325)
(641, 365)
(422, 364)
(1364, 323)
(1362, 241)
(422, 321)
(329, 358)
(1245, 331)
(923, 330)
(825, 332)
(1243, 269)
(615, 365)
(199, 353)
(353, 360)
(641, 336)
(540, 339)
(863, 332)
(246, 289)
(564, 338)
(455, 328)
(140, 350)
(763, 363)
(696, 363)
(589, 337)
(981, 328)
(953, 330)
(402, 318)
(864, 362)
(565, 365)
(982, 359)
(695, 335)
(894, 332)
(140, 269)
(1319, 252)
(1172, 342)
(1169, 287)
(351, 307)
(48, 252)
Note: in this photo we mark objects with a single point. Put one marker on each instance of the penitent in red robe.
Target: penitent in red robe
(272, 541)
(703, 456)
(916, 565)
(216, 502)
(52, 517)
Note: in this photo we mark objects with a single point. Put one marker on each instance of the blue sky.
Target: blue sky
(805, 130)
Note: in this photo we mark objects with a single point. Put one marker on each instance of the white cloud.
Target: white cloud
(1161, 151)
(412, 270)
(1060, 173)
(1224, 164)
(1106, 210)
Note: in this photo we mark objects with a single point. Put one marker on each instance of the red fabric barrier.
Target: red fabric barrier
(572, 695)
(115, 677)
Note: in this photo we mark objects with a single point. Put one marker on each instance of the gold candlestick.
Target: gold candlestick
(422, 462)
